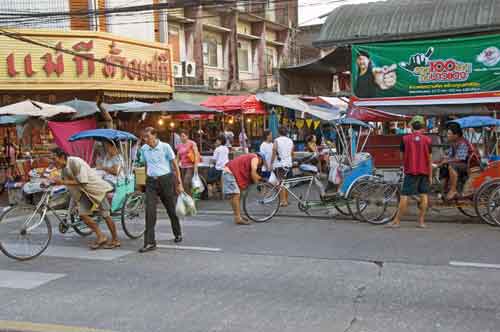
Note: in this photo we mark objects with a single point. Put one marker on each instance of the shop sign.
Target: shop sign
(84, 61)
(427, 67)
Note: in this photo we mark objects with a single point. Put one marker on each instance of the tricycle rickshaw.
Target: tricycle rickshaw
(351, 171)
(25, 229)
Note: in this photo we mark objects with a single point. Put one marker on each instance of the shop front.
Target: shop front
(438, 78)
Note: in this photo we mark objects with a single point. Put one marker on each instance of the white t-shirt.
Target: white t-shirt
(267, 150)
(284, 152)
(221, 157)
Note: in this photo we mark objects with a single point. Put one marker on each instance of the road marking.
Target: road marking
(472, 264)
(25, 280)
(85, 253)
(6, 325)
(167, 246)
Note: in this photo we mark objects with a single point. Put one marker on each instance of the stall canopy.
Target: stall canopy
(173, 107)
(247, 104)
(83, 108)
(273, 98)
(375, 115)
(322, 113)
(125, 107)
(35, 108)
(12, 119)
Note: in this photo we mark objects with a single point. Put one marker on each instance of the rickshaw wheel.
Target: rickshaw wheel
(132, 215)
(467, 211)
(79, 226)
(385, 196)
(481, 199)
(353, 195)
(261, 201)
(494, 206)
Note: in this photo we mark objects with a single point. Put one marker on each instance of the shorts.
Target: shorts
(283, 173)
(85, 207)
(415, 185)
(214, 175)
(229, 184)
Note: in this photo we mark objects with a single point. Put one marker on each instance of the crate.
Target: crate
(140, 176)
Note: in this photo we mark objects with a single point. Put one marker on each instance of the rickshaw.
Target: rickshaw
(26, 231)
(350, 171)
(475, 193)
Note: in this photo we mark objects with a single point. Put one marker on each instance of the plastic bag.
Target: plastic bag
(189, 204)
(180, 208)
(273, 179)
(197, 184)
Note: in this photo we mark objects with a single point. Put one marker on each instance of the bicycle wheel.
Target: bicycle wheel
(379, 204)
(481, 199)
(468, 211)
(23, 235)
(79, 226)
(261, 201)
(494, 206)
(133, 215)
(357, 189)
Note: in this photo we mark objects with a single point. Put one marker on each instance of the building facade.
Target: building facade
(233, 47)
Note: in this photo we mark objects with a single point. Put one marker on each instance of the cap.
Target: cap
(418, 119)
(363, 53)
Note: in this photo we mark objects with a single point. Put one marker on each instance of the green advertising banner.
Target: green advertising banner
(426, 67)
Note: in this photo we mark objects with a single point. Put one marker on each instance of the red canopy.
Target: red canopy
(370, 114)
(184, 117)
(248, 104)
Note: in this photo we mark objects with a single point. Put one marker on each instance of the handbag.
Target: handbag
(192, 155)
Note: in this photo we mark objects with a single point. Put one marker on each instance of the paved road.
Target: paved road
(292, 274)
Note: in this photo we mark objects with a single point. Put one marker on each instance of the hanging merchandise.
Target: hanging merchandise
(317, 123)
(299, 123)
(309, 122)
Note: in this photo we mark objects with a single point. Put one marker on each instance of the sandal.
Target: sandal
(112, 245)
(97, 245)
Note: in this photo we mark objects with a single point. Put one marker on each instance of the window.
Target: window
(243, 57)
(270, 63)
(270, 10)
(210, 53)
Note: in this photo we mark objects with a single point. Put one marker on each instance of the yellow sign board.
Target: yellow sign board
(83, 60)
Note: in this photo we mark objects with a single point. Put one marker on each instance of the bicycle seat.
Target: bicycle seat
(308, 168)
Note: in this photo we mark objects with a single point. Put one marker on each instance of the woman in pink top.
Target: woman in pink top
(188, 156)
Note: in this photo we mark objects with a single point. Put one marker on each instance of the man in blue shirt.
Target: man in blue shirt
(163, 175)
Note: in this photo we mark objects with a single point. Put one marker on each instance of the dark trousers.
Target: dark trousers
(163, 187)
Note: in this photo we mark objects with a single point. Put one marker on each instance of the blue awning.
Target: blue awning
(109, 134)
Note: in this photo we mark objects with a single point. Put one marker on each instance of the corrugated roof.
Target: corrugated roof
(403, 19)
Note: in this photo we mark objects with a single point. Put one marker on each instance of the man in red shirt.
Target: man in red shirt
(416, 150)
(238, 174)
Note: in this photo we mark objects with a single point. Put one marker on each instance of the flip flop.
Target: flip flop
(97, 245)
(422, 226)
(393, 226)
(112, 245)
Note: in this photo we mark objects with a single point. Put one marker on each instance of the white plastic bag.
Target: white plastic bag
(180, 207)
(335, 175)
(197, 184)
(189, 204)
(273, 179)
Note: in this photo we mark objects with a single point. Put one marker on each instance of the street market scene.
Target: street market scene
(241, 165)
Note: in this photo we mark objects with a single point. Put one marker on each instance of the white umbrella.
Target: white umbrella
(35, 108)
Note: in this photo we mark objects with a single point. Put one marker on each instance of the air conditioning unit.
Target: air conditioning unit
(178, 70)
(189, 69)
(213, 82)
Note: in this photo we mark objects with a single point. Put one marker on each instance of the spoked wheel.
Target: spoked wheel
(261, 201)
(357, 189)
(23, 234)
(481, 199)
(133, 215)
(378, 204)
(494, 206)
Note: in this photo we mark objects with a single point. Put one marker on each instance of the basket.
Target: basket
(140, 176)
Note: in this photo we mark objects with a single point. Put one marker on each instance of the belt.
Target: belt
(158, 177)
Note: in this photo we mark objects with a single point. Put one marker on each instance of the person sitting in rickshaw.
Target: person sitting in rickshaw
(111, 164)
(461, 156)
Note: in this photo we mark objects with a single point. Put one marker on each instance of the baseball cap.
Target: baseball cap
(418, 119)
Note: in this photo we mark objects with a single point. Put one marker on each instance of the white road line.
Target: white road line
(6, 325)
(167, 246)
(472, 264)
(85, 253)
(26, 280)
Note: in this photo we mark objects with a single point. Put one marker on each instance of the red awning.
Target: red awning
(372, 115)
(216, 102)
(248, 105)
(187, 117)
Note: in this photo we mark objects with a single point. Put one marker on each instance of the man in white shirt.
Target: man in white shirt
(219, 159)
(282, 160)
(266, 148)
